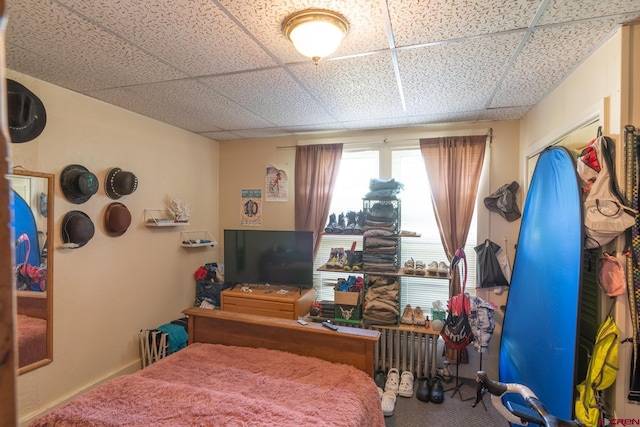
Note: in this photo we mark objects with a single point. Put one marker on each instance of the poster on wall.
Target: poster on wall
(277, 185)
(251, 207)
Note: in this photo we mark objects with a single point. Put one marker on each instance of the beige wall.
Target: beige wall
(599, 87)
(110, 289)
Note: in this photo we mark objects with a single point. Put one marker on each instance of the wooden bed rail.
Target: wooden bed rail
(352, 346)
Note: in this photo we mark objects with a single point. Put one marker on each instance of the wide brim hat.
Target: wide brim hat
(78, 184)
(120, 183)
(117, 219)
(27, 116)
(504, 201)
(77, 229)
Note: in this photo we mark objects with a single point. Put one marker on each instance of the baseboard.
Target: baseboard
(27, 419)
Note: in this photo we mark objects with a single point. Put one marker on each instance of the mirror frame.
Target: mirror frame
(50, 246)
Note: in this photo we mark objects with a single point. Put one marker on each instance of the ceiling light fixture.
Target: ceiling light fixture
(315, 33)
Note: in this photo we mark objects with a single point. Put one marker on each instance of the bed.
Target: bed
(32, 339)
(241, 370)
(31, 327)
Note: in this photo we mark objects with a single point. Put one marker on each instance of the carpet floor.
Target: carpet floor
(456, 410)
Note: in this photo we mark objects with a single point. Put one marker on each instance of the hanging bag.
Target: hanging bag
(606, 215)
(457, 332)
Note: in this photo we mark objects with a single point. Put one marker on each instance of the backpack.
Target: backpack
(601, 374)
(457, 332)
(606, 215)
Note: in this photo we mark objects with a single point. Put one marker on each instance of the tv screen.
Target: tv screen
(274, 257)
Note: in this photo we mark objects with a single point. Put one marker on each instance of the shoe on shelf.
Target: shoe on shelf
(380, 378)
(407, 315)
(339, 228)
(437, 390)
(405, 389)
(443, 268)
(410, 266)
(424, 389)
(331, 224)
(393, 381)
(420, 268)
(418, 316)
(388, 403)
(333, 257)
(432, 268)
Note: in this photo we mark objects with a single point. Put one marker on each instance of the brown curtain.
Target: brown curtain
(317, 169)
(453, 166)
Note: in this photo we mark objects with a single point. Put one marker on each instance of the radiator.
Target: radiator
(406, 351)
(154, 345)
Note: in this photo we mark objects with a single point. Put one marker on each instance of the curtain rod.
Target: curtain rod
(370, 141)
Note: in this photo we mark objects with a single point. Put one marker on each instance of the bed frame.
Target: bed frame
(352, 346)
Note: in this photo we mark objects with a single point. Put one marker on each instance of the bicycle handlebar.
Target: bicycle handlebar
(498, 389)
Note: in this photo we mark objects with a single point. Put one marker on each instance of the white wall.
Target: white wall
(110, 289)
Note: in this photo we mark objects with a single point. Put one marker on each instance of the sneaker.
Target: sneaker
(405, 389)
(407, 315)
(333, 257)
(443, 269)
(388, 403)
(393, 381)
(410, 266)
(418, 316)
(420, 268)
(424, 389)
(432, 268)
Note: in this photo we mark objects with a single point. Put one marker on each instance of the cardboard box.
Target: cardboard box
(348, 306)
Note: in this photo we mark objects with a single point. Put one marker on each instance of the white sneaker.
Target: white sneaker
(393, 381)
(432, 267)
(405, 389)
(443, 268)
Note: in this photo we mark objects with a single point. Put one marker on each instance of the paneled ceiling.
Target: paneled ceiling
(224, 69)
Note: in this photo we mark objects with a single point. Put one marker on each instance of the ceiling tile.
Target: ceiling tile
(206, 107)
(418, 21)
(194, 33)
(52, 31)
(357, 88)
(548, 55)
(572, 10)
(454, 77)
(272, 94)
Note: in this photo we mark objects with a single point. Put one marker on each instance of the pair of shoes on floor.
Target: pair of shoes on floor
(438, 268)
(411, 316)
(430, 390)
(405, 389)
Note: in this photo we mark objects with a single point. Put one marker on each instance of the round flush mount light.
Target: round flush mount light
(315, 33)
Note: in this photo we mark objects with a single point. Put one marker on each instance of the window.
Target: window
(407, 167)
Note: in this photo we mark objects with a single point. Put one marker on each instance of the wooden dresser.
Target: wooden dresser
(285, 302)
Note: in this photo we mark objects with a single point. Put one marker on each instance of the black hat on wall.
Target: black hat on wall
(117, 219)
(77, 229)
(78, 184)
(26, 113)
(120, 183)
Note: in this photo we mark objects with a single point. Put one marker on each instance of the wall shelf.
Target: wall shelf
(160, 218)
(196, 239)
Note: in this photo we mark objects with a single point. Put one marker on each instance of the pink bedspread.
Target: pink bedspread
(216, 385)
(32, 339)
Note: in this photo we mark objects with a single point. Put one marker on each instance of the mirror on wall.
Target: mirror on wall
(32, 221)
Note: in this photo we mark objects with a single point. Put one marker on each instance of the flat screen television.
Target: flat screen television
(274, 257)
